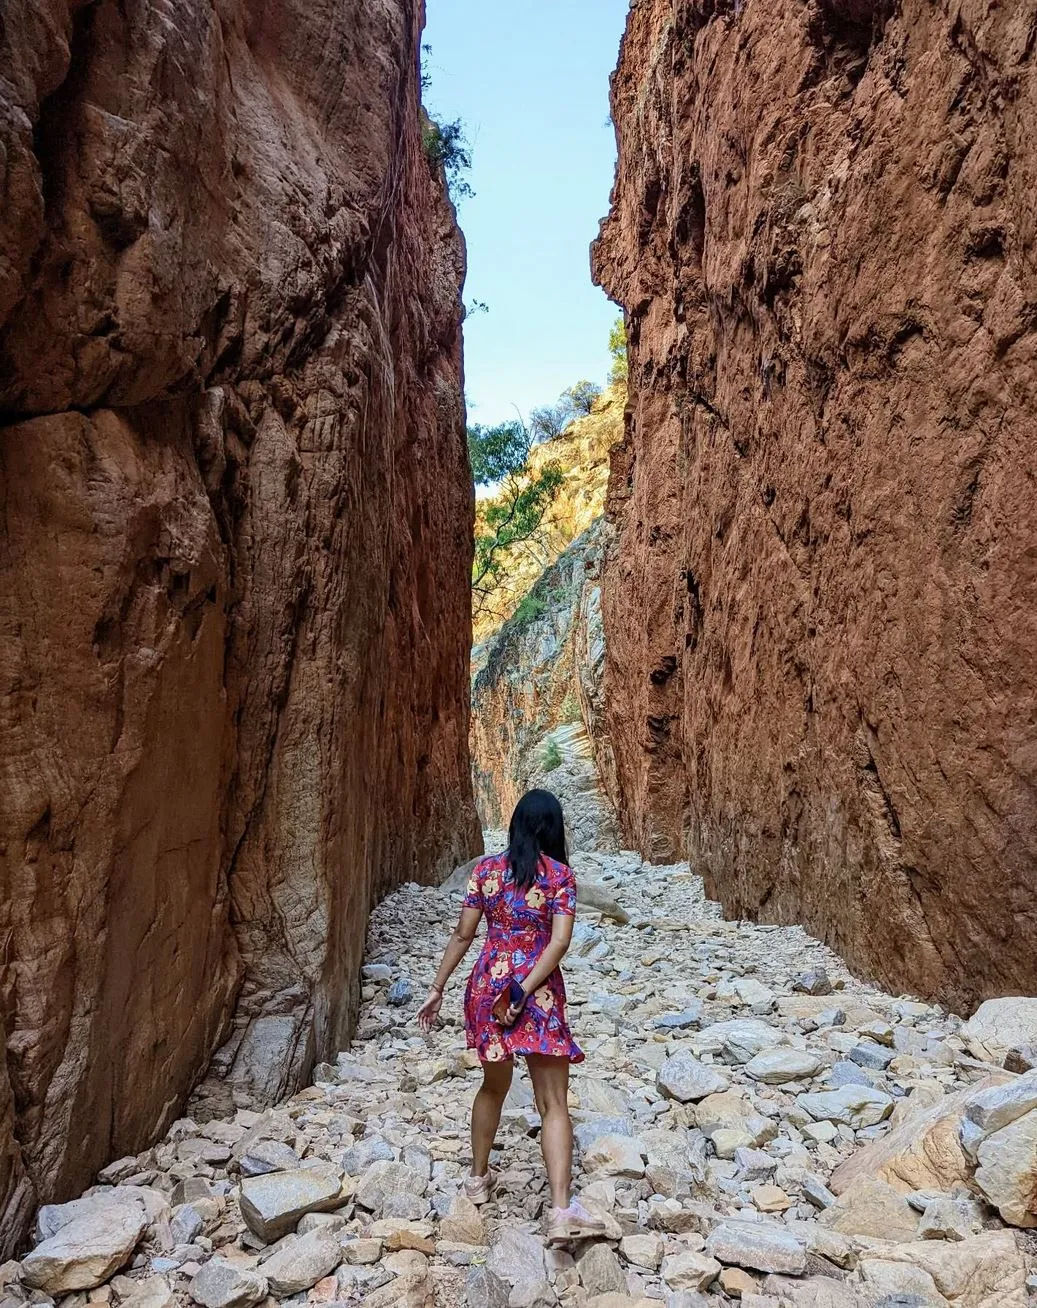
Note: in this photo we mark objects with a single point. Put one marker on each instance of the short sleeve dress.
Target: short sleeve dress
(518, 929)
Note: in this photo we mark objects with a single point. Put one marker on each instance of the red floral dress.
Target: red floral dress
(518, 930)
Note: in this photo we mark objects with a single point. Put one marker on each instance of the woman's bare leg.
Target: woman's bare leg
(486, 1111)
(551, 1088)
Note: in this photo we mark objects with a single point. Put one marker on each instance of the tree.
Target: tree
(582, 396)
(618, 350)
(514, 518)
(550, 420)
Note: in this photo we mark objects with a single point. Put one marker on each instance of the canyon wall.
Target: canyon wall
(538, 714)
(821, 610)
(234, 551)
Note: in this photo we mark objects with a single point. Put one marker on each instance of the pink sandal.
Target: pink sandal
(480, 1188)
(573, 1223)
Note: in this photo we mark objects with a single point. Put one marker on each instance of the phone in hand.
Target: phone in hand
(511, 994)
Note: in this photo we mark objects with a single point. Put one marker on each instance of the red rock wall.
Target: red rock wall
(234, 545)
(822, 611)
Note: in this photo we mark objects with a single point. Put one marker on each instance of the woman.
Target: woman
(528, 895)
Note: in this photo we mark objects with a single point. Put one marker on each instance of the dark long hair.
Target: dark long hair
(537, 827)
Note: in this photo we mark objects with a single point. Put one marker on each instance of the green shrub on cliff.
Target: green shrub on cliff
(551, 757)
(618, 350)
(448, 152)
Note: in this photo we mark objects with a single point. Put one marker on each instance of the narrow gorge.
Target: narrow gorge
(769, 637)
(234, 611)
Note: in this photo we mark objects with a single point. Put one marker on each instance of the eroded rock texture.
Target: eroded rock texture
(234, 613)
(538, 712)
(822, 611)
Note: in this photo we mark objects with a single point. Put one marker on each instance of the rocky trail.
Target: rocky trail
(756, 1125)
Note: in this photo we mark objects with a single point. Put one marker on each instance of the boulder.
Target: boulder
(600, 1272)
(517, 1257)
(615, 1155)
(300, 1263)
(1007, 1171)
(741, 1038)
(264, 1156)
(776, 1066)
(221, 1285)
(998, 1104)
(384, 1180)
(98, 1238)
(272, 1204)
(412, 1290)
(689, 1271)
(463, 1223)
(853, 1105)
(922, 1152)
(1001, 1025)
(590, 895)
(643, 1250)
(985, 1271)
(758, 1246)
(949, 1219)
(685, 1079)
(485, 1289)
(873, 1208)
(154, 1292)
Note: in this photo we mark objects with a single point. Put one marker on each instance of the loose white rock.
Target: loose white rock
(685, 1079)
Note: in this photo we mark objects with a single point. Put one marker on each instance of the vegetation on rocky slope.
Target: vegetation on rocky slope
(580, 456)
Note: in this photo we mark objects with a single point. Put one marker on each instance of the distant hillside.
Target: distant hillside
(582, 453)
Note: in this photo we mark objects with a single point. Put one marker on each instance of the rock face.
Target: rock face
(821, 609)
(537, 707)
(234, 614)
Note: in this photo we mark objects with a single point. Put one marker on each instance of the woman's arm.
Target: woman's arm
(457, 946)
(557, 947)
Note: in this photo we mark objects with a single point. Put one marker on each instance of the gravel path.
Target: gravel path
(755, 1125)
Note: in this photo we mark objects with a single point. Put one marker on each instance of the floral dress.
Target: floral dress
(518, 930)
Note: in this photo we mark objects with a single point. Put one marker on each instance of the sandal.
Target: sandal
(573, 1223)
(480, 1188)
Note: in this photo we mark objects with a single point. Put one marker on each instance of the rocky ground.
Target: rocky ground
(755, 1125)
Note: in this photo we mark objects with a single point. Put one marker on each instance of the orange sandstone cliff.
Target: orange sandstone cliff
(821, 613)
(234, 547)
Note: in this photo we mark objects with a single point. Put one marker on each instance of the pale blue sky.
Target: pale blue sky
(530, 81)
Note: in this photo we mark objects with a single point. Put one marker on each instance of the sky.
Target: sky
(530, 83)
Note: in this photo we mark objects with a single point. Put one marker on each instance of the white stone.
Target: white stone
(1007, 1171)
(689, 1271)
(854, 1105)
(615, 1155)
(642, 1250)
(685, 1079)
(997, 1106)
(999, 1025)
(272, 1204)
(302, 1262)
(516, 1256)
(384, 1179)
(85, 1250)
(776, 1066)
(759, 1246)
(221, 1285)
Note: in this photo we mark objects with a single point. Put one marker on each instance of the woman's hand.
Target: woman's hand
(514, 1011)
(428, 1013)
